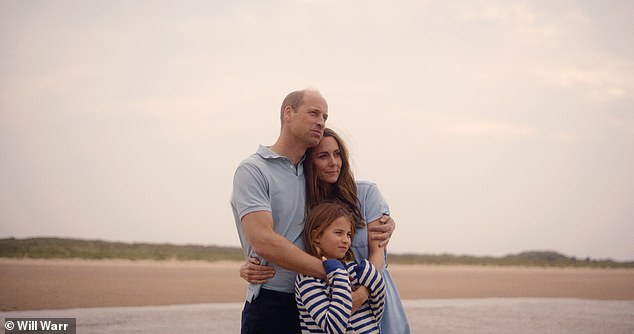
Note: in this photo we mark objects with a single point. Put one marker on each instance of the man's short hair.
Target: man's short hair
(294, 100)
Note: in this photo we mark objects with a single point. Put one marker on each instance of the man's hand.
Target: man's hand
(253, 272)
(382, 232)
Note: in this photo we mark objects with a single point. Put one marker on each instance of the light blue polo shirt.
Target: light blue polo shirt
(267, 181)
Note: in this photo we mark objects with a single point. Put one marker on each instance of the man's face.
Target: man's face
(308, 122)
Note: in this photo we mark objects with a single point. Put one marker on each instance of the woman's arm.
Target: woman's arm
(382, 232)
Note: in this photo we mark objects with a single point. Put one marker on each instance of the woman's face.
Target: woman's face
(327, 160)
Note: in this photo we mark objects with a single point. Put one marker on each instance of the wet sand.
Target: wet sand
(456, 316)
(57, 284)
(200, 297)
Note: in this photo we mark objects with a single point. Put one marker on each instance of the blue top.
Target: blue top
(267, 181)
(373, 206)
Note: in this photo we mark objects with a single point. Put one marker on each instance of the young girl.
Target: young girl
(326, 306)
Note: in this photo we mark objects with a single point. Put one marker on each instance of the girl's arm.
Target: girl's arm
(380, 225)
(377, 252)
(330, 311)
(369, 276)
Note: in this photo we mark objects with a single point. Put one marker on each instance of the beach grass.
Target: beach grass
(61, 248)
(527, 258)
(65, 248)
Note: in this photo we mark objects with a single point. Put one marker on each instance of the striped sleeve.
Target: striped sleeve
(325, 306)
(369, 276)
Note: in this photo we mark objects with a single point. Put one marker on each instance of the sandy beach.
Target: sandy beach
(56, 284)
(210, 295)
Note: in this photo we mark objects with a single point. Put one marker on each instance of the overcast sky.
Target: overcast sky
(491, 127)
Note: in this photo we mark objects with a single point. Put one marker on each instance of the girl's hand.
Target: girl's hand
(360, 294)
(255, 273)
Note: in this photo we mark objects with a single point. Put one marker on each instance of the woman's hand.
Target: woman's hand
(382, 232)
(255, 273)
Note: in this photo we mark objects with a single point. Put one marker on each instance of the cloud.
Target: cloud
(490, 129)
(599, 83)
(488, 11)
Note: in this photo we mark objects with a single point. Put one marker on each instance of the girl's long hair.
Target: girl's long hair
(319, 218)
(343, 191)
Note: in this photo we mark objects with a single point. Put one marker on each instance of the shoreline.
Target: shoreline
(38, 284)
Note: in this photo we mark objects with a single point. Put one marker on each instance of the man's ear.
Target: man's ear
(288, 110)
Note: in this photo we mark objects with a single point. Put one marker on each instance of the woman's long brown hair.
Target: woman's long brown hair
(343, 191)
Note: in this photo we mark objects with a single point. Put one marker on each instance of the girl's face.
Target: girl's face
(335, 240)
(327, 160)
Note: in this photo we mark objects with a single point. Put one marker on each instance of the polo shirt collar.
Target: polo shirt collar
(266, 153)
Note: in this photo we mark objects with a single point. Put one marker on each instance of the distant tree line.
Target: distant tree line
(61, 248)
(50, 248)
(529, 258)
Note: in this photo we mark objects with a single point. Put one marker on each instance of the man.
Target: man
(268, 205)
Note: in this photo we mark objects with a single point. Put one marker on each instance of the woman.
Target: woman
(329, 178)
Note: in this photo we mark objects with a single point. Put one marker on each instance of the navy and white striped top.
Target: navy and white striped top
(325, 307)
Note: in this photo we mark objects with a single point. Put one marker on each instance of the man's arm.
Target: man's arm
(273, 247)
(252, 272)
